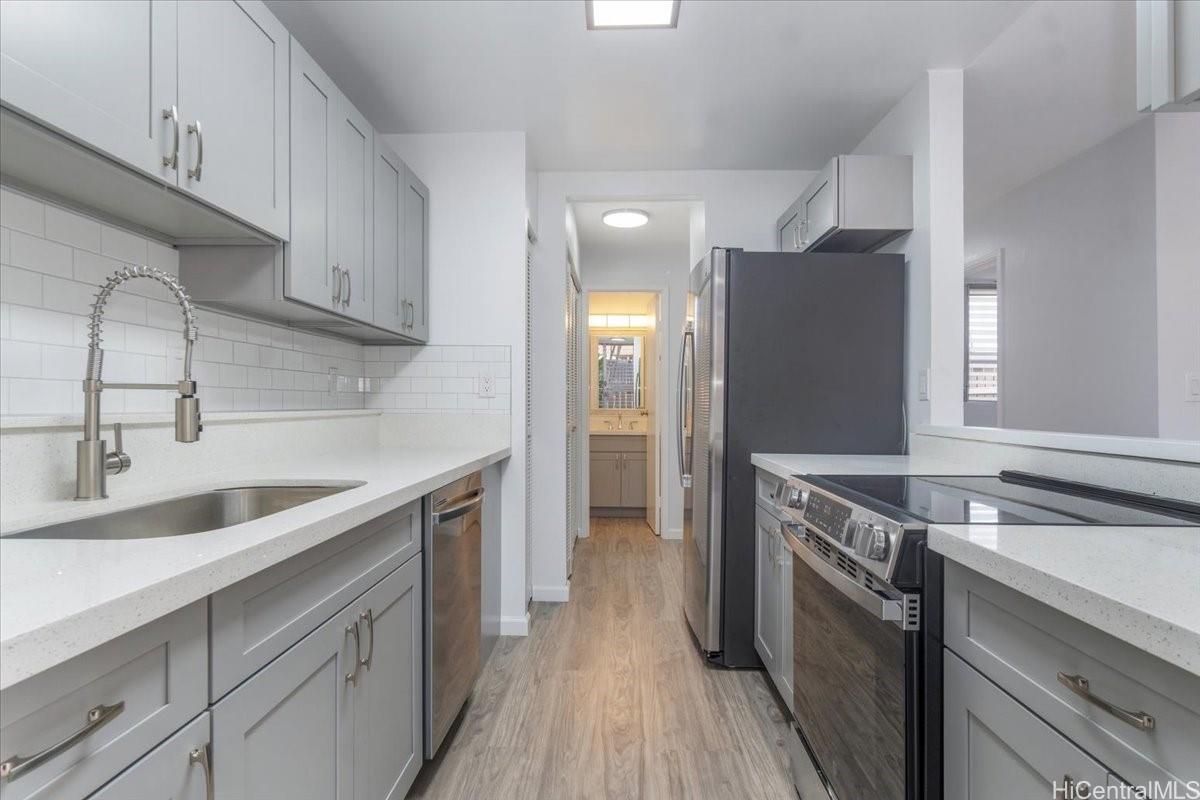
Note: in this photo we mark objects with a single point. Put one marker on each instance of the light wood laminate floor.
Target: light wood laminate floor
(608, 697)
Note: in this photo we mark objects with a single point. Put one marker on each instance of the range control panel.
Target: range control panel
(829, 516)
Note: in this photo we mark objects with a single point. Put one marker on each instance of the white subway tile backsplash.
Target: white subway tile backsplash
(123, 246)
(21, 212)
(41, 255)
(72, 229)
(20, 286)
(53, 261)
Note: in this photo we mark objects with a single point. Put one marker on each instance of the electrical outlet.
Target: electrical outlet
(333, 381)
(487, 385)
(1191, 392)
(923, 385)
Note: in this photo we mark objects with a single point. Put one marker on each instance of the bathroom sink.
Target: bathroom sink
(193, 513)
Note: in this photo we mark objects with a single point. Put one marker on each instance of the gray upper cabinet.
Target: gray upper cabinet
(856, 204)
(996, 749)
(1168, 55)
(416, 256)
(99, 71)
(233, 110)
(390, 310)
(289, 730)
(310, 274)
(354, 170)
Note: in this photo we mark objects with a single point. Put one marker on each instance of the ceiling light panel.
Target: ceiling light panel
(624, 14)
(625, 218)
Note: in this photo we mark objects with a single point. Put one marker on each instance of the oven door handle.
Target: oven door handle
(883, 608)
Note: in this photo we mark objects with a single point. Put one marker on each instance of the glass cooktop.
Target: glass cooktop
(993, 499)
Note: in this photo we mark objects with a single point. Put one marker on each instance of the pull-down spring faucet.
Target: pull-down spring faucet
(93, 462)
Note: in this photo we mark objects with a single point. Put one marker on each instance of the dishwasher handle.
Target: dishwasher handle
(467, 503)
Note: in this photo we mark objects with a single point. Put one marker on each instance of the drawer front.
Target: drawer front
(159, 672)
(178, 769)
(258, 618)
(766, 490)
(1023, 645)
(617, 443)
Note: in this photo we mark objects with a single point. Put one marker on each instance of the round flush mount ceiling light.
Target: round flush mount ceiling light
(625, 218)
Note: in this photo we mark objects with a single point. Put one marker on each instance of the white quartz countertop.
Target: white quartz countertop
(1139, 584)
(60, 598)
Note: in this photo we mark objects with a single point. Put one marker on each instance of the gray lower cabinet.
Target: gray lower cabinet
(178, 769)
(604, 480)
(996, 749)
(336, 716)
(389, 724)
(289, 730)
(773, 598)
(633, 480)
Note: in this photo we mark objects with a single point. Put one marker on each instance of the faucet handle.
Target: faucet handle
(118, 460)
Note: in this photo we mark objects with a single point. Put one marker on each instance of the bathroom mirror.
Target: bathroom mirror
(618, 372)
(1081, 286)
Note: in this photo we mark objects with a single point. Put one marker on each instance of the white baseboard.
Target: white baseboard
(552, 594)
(515, 626)
(673, 533)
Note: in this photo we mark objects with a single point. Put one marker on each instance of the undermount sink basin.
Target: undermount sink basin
(193, 513)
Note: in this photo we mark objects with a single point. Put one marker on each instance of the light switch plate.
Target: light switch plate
(923, 385)
(1192, 387)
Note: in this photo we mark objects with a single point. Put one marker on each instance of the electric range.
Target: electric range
(867, 611)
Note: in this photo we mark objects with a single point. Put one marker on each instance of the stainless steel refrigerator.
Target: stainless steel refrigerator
(781, 353)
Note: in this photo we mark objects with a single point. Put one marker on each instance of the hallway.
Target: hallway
(608, 697)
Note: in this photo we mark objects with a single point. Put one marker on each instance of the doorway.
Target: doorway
(623, 382)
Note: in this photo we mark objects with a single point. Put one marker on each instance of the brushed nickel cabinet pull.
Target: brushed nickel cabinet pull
(202, 755)
(172, 160)
(337, 285)
(349, 286)
(1080, 686)
(97, 718)
(352, 677)
(195, 172)
(369, 618)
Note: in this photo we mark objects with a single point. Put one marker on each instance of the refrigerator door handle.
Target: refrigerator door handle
(685, 478)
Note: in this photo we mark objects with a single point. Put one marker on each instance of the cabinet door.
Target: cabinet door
(787, 656)
(178, 769)
(820, 206)
(311, 252)
(767, 623)
(388, 747)
(233, 107)
(633, 480)
(99, 71)
(604, 480)
(288, 731)
(355, 157)
(416, 256)
(789, 233)
(387, 295)
(996, 749)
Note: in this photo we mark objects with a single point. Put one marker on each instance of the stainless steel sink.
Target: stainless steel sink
(193, 513)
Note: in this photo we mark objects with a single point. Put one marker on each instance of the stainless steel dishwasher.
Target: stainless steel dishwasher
(453, 624)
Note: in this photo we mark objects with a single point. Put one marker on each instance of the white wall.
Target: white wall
(928, 125)
(477, 185)
(740, 209)
(1177, 232)
(1079, 315)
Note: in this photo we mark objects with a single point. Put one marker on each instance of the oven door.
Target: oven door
(853, 703)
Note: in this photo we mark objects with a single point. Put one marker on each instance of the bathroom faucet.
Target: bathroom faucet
(93, 462)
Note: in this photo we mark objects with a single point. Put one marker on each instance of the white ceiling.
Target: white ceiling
(739, 85)
(1061, 79)
(670, 224)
